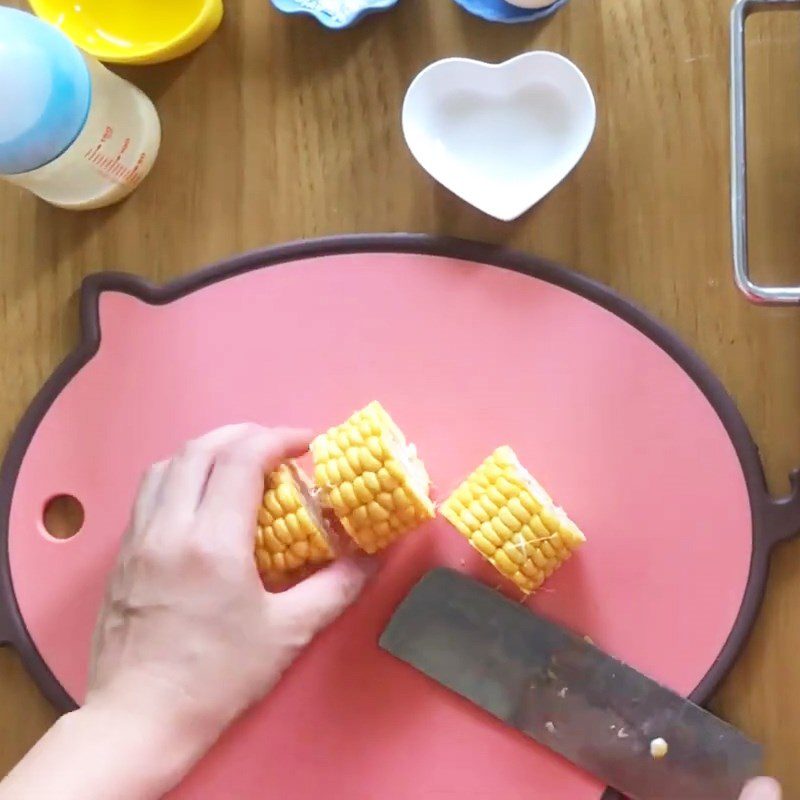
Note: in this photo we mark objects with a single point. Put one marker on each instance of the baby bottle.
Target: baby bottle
(71, 131)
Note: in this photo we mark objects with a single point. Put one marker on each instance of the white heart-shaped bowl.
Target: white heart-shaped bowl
(500, 136)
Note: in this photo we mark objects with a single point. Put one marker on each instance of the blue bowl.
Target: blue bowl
(367, 7)
(500, 11)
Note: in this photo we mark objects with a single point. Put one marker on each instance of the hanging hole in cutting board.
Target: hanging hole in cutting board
(63, 516)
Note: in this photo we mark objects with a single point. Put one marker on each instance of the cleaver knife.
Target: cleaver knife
(568, 695)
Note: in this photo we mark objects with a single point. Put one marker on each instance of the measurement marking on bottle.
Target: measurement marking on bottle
(112, 167)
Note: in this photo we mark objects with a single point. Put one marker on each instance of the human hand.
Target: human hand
(762, 789)
(187, 627)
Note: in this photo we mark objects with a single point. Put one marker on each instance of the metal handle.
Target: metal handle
(765, 295)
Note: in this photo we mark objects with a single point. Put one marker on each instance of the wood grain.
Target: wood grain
(278, 130)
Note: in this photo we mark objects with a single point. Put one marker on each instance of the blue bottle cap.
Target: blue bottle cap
(45, 91)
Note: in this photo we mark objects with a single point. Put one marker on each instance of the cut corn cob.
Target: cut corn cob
(292, 531)
(512, 521)
(372, 479)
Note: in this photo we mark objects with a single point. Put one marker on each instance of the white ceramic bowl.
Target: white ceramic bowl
(500, 136)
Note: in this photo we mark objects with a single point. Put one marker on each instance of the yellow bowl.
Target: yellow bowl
(133, 31)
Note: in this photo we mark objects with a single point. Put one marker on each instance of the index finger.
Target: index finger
(236, 483)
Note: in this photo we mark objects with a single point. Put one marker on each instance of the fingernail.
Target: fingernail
(762, 789)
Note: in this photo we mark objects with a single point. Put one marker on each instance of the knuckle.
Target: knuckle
(148, 556)
(233, 455)
(229, 453)
(200, 554)
(192, 449)
(252, 429)
(198, 551)
(152, 550)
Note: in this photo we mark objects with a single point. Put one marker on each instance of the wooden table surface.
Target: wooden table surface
(277, 130)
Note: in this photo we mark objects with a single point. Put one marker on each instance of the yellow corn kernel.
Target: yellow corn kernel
(509, 518)
(291, 533)
(387, 493)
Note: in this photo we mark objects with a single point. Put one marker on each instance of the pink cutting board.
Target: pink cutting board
(466, 355)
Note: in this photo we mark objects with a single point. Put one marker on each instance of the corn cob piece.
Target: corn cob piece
(292, 532)
(372, 478)
(512, 521)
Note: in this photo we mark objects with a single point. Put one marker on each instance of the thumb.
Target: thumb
(319, 600)
(762, 789)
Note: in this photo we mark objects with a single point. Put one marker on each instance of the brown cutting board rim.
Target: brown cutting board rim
(772, 520)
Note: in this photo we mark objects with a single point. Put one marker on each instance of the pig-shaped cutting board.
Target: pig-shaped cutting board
(468, 347)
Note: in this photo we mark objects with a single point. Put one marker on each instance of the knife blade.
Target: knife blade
(566, 694)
